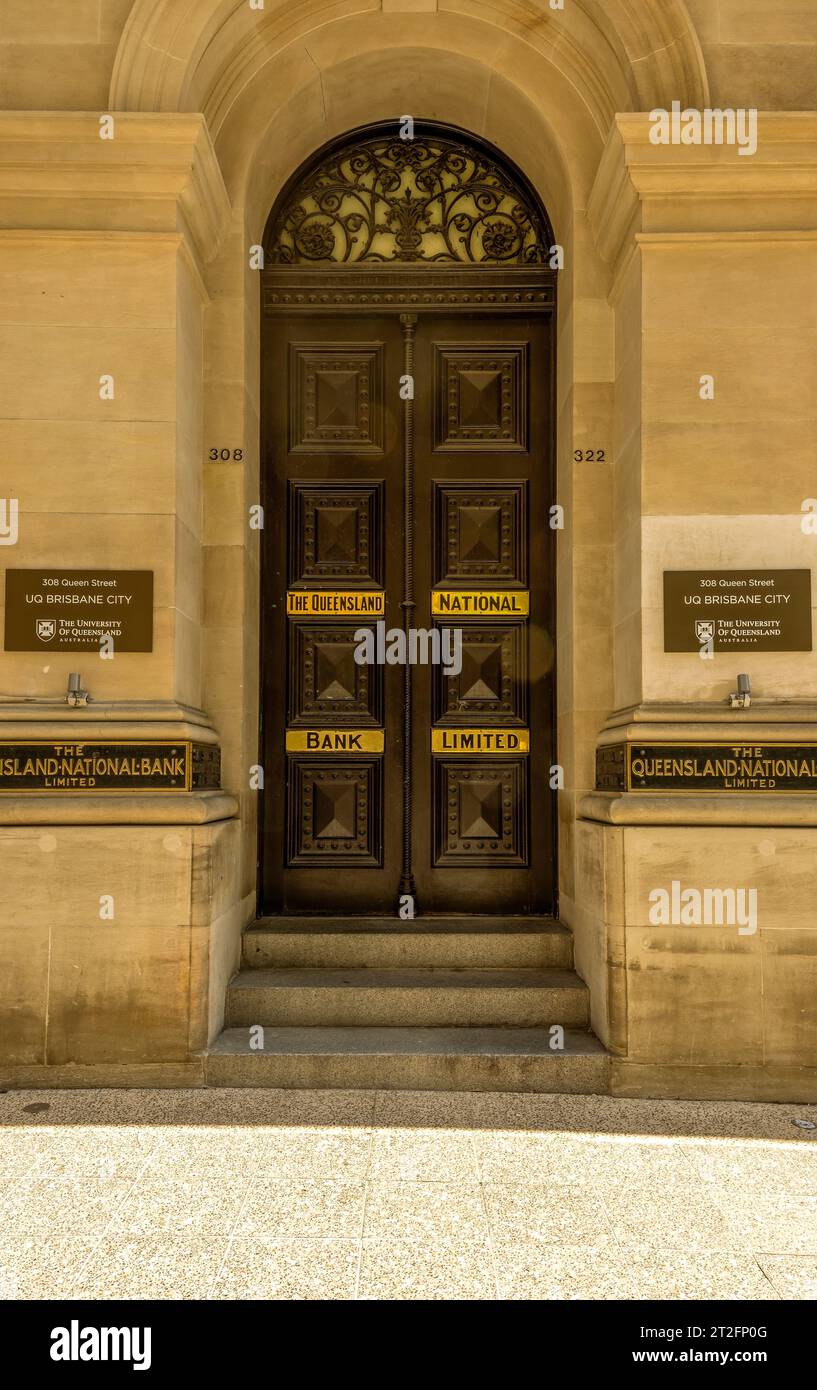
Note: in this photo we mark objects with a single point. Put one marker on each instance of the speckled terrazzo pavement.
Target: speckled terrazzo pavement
(388, 1195)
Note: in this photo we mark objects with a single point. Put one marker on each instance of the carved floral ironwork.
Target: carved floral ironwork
(388, 200)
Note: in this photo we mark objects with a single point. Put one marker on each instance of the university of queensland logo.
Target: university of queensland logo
(46, 627)
(705, 632)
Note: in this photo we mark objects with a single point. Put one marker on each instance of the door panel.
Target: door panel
(483, 483)
(336, 427)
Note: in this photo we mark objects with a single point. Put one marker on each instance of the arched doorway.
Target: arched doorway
(408, 673)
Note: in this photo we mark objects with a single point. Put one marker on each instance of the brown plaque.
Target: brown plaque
(109, 767)
(707, 767)
(75, 610)
(737, 610)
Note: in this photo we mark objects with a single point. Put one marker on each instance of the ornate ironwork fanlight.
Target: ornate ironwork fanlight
(435, 198)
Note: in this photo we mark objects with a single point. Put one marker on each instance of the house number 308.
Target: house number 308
(225, 455)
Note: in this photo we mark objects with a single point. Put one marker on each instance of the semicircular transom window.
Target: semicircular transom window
(387, 200)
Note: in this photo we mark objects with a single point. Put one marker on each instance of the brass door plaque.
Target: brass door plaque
(480, 603)
(707, 767)
(109, 767)
(75, 610)
(335, 740)
(480, 741)
(328, 603)
(737, 610)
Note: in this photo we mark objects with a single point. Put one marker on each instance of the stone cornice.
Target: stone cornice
(158, 174)
(46, 718)
(643, 187)
(117, 808)
(666, 808)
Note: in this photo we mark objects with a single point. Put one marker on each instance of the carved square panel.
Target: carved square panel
(335, 533)
(326, 685)
(334, 812)
(480, 813)
(480, 533)
(336, 398)
(492, 686)
(481, 396)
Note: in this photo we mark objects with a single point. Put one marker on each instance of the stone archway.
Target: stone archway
(188, 54)
(543, 87)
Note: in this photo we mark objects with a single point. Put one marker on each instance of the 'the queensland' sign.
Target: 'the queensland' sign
(329, 603)
(737, 610)
(79, 610)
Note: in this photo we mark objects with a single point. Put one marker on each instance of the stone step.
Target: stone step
(455, 942)
(421, 1059)
(404, 997)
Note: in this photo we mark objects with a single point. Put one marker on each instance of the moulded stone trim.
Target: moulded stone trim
(674, 720)
(53, 718)
(668, 808)
(163, 167)
(117, 808)
(633, 171)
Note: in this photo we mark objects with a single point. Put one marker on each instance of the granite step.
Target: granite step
(371, 942)
(422, 1059)
(407, 997)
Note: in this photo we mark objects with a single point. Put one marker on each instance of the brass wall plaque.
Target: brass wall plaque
(480, 741)
(610, 768)
(335, 741)
(737, 610)
(109, 767)
(707, 767)
(327, 603)
(73, 610)
(480, 603)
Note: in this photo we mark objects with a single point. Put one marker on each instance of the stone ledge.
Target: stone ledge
(715, 1081)
(117, 808)
(641, 187)
(51, 717)
(24, 1076)
(766, 721)
(691, 808)
(159, 174)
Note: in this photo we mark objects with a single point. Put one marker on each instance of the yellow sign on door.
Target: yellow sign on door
(480, 603)
(480, 741)
(335, 740)
(329, 603)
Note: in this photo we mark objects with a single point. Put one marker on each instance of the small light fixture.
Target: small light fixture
(75, 694)
(742, 697)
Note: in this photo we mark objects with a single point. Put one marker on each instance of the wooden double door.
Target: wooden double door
(408, 464)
